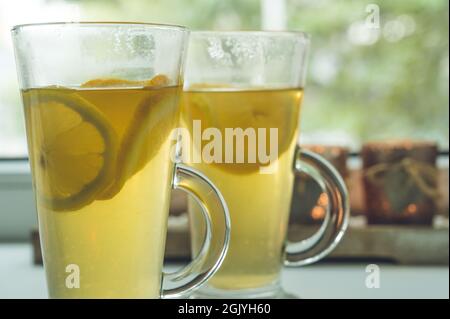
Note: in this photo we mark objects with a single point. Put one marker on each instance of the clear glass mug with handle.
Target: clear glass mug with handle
(100, 102)
(246, 88)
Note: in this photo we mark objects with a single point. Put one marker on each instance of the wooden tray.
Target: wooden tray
(410, 245)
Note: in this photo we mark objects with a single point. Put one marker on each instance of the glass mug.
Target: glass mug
(100, 102)
(253, 81)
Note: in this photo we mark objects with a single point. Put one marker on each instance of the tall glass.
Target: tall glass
(100, 103)
(246, 89)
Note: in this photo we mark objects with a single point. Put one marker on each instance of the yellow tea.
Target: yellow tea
(102, 177)
(258, 202)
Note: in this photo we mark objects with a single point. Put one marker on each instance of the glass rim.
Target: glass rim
(269, 33)
(19, 27)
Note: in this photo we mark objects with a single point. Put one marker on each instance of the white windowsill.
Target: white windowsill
(14, 171)
(17, 208)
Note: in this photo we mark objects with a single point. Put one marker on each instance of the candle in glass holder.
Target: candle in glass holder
(400, 181)
(309, 203)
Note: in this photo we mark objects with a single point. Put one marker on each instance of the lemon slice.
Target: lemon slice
(72, 148)
(224, 107)
(149, 127)
(157, 80)
(205, 86)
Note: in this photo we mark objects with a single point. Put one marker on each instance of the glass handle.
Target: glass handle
(320, 244)
(214, 210)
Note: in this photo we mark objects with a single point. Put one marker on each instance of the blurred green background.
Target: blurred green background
(366, 80)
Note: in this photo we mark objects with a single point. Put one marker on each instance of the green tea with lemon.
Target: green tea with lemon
(99, 154)
(257, 201)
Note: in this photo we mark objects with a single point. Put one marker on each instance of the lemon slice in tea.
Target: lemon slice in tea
(149, 127)
(157, 80)
(227, 107)
(73, 148)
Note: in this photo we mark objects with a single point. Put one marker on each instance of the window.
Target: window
(382, 81)
(386, 79)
